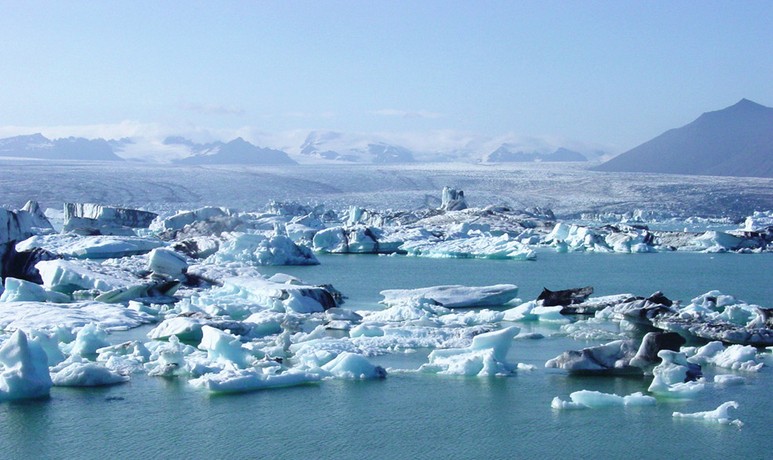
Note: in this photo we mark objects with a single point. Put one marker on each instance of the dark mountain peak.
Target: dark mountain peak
(734, 141)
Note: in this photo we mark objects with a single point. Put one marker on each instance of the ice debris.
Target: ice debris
(719, 415)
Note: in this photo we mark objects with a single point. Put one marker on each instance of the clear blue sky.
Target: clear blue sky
(610, 72)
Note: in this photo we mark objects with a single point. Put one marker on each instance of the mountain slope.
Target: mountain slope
(70, 148)
(237, 151)
(735, 141)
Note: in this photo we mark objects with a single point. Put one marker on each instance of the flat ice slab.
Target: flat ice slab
(455, 296)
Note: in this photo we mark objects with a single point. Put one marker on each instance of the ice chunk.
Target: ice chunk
(354, 366)
(522, 312)
(90, 219)
(611, 358)
(357, 239)
(456, 296)
(20, 290)
(222, 347)
(262, 250)
(42, 315)
(594, 399)
(674, 376)
(452, 200)
(167, 262)
(736, 357)
(79, 372)
(89, 338)
(478, 247)
(242, 380)
(484, 357)
(25, 374)
(725, 380)
(279, 296)
(719, 415)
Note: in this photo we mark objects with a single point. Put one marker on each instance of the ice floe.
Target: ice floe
(719, 415)
(588, 399)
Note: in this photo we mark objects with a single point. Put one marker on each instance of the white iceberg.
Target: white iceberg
(79, 372)
(478, 247)
(25, 369)
(484, 357)
(258, 249)
(167, 262)
(456, 296)
(242, 380)
(585, 399)
(48, 316)
(673, 376)
(719, 415)
(353, 366)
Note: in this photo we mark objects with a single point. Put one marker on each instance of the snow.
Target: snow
(456, 296)
(719, 415)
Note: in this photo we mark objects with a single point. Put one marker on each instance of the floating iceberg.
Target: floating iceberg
(478, 247)
(45, 316)
(78, 372)
(587, 399)
(243, 380)
(262, 250)
(484, 357)
(719, 415)
(675, 376)
(354, 367)
(95, 219)
(456, 296)
(25, 369)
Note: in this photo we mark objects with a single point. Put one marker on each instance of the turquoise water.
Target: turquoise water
(412, 415)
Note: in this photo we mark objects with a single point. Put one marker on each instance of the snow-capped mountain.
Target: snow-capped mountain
(332, 145)
(70, 148)
(509, 153)
(237, 151)
(735, 141)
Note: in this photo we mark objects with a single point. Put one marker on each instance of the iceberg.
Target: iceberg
(456, 296)
(719, 415)
(357, 239)
(279, 296)
(167, 262)
(585, 399)
(675, 376)
(735, 357)
(25, 369)
(478, 247)
(95, 219)
(353, 366)
(243, 380)
(48, 316)
(78, 372)
(257, 249)
(484, 357)
(452, 200)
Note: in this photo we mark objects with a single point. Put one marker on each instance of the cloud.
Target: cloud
(326, 115)
(407, 113)
(212, 109)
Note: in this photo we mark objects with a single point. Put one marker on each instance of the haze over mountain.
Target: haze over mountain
(507, 153)
(237, 151)
(735, 141)
(70, 148)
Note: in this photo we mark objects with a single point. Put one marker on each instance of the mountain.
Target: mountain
(347, 147)
(70, 148)
(735, 141)
(237, 151)
(507, 153)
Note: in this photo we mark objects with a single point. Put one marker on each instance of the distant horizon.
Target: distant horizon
(600, 76)
(153, 136)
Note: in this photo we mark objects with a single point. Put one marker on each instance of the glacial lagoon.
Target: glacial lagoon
(420, 415)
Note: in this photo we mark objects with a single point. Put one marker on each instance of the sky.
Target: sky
(606, 74)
